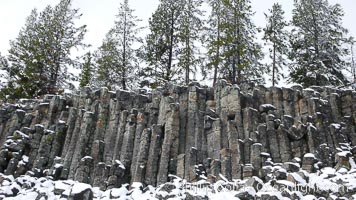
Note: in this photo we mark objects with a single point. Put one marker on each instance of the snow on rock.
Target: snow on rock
(309, 155)
(23, 135)
(270, 195)
(80, 187)
(119, 192)
(327, 180)
(343, 154)
(25, 158)
(62, 185)
(336, 126)
(120, 164)
(26, 196)
(352, 163)
(309, 197)
(266, 107)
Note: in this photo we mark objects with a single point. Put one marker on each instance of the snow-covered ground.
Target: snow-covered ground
(326, 183)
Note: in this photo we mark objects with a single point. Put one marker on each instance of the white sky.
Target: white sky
(99, 15)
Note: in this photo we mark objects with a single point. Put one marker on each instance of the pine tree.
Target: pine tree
(162, 44)
(87, 69)
(232, 48)
(317, 43)
(214, 39)
(241, 53)
(26, 72)
(40, 55)
(191, 26)
(4, 67)
(353, 65)
(276, 35)
(117, 58)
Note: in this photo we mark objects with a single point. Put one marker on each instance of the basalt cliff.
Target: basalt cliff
(110, 138)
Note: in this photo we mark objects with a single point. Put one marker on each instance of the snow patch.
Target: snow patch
(80, 187)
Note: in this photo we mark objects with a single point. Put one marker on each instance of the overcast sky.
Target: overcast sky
(99, 15)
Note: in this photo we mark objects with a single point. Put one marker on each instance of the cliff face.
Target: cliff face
(109, 138)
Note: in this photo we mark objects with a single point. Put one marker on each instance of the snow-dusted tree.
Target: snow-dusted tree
(276, 37)
(318, 47)
(234, 34)
(40, 55)
(162, 44)
(190, 29)
(243, 53)
(353, 64)
(116, 58)
(213, 39)
(4, 68)
(4, 65)
(87, 70)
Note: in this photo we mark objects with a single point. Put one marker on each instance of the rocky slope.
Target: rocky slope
(201, 134)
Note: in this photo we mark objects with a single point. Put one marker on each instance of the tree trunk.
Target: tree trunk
(238, 37)
(353, 63)
(169, 67)
(124, 65)
(217, 57)
(187, 67)
(274, 64)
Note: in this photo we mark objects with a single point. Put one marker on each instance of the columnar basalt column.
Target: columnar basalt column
(82, 146)
(154, 154)
(170, 146)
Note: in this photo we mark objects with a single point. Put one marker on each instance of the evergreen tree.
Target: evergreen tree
(191, 25)
(317, 44)
(106, 59)
(162, 44)
(4, 67)
(26, 72)
(40, 55)
(117, 58)
(241, 53)
(353, 65)
(87, 68)
(214, 39)
(276, 35)
(231, 47)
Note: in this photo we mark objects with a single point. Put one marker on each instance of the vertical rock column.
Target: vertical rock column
(13, 124)
(284, 144)
(234, 147)
(183, 121)
(195, 137)
(120, 134)
(141, 120)
(278, 101)
(154, 153)
(140, 165)
(73, 114)
(127, 148)
(288, 104)
(101, 174)
(250, 124)
(56, 106)
(111, 131)
(233, 126)
(213, 127)
(272, 138)
(71, 141)
(58, 141)
(82, 146)
(44, 150)
(170, 146)
(35, 141)
(101, 124)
